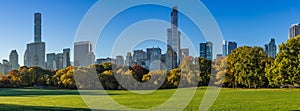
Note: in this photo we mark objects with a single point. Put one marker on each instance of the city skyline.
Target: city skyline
(49, 26)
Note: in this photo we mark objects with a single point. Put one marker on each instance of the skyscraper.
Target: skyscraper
(271, 48)
(59, 60)
(35, 52)
(173, 37)
(128, 61)
(66, 57)
(224, 48)
(120, 60)
(170, 59)
(83, 53)
(231, 46)
(206, 50)
(184, 53)
(294, 30)
(5, 67)
(140, 57)
(153, 54)
(51, 65)
(14, 60)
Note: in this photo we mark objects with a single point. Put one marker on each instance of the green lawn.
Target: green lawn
(228, 99)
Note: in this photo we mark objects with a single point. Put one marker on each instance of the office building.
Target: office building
(231, 46)
(5, 67)
(120, 60)
(59, 60)
(51, 65)
(271, 48)
(294, 30)
(173, 37)
(83, 53)
(35, 52)
(14, 60)
(224, 48)
(128, 61)
(185, 52)
(66, 58)
(206, 50)
(140, 57)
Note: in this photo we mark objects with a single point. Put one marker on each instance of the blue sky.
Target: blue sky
(248, 22)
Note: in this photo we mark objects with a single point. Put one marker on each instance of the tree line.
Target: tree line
(250, 67)
(107, 74)
(245, 67)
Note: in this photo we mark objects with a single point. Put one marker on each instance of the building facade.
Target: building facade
(83, 53)
(184, 53)
(14, 60)
(5, 67)
(224, 48)
(294, 30)
(128, 61)
(51, 65)
(271, 48)
(231, 46)
(173, 37)
(206, 50)
(66, 57)
(170, 59)
(35, 52)
(120, 60)
(59, 60)
(140, 57)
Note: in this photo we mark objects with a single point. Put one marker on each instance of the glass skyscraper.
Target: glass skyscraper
(231, 46)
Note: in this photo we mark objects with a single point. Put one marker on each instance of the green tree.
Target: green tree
(246, 67)
(286, 68)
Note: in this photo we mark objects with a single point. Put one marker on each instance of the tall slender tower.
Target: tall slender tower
(35, 52)
(224, 50)
(37, 27)
(173, 40)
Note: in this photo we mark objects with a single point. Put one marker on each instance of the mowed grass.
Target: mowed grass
(228, 99)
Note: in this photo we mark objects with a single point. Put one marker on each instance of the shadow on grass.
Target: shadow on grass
(44, 92)
(12, 107)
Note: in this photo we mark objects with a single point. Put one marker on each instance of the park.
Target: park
(228, 99)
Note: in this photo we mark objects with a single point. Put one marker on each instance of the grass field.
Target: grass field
(228, 99)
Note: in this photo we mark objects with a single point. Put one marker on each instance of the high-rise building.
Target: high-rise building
(271, 48)
(14, 60)
(83, 53)
(153, 54)
(35, 52)
(231, 46)
(224, 48)
(294, 30)
(59, 60)
(120, 60)
(206, 50)
(128, 61)
(209, 50)
(5, 67)
(170, 59)
(184, 53)
(140, 57)
(173, 37)
(51, 65)
(66, 57)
